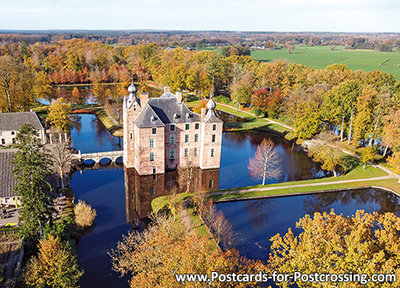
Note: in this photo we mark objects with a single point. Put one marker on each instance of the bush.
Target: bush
(257, 112)
(223, 99)
(84, 215)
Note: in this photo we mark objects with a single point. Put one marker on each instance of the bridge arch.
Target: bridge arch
(98, 156)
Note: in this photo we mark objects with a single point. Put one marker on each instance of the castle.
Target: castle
(161, 134)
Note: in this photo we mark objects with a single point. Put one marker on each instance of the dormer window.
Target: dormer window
(153, 119)
(188, 116)
(176, 116)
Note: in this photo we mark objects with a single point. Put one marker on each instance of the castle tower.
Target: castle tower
(211, 133)
(131, 109)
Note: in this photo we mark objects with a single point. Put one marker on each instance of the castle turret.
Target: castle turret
(131, 109)
(210, 152)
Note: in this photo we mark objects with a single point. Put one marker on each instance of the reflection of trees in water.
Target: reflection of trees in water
(256, 210)
(77, 122)
(322, 202)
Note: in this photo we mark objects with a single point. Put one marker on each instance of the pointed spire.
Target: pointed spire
(211, 104)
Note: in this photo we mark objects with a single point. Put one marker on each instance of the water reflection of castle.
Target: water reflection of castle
(140, 190)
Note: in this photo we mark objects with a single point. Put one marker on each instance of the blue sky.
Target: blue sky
(242, 15)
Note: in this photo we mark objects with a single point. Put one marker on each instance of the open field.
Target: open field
(322, 56)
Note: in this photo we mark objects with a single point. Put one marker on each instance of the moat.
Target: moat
(113, 191)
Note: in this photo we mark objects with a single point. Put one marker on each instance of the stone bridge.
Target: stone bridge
(96, 157)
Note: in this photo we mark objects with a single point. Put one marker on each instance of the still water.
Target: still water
(254, 222)
(104, 189)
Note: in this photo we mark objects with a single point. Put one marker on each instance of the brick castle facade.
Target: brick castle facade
(162, 133)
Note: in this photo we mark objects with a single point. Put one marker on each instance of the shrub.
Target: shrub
(84, 215)
(257, 112)
(222, 99)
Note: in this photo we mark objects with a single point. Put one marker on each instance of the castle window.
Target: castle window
(187, 126)
(186, 152)
(153, 130)
(3, 141)
(151, 142)
(214, 126)
(151, 156)
(195, 152)
(152, 190)
(130, 136)
(211, 183)
(171, 139)
(213, 138)
(13, 140)
(172, 127)
(172, 154)
(186, 138)
(12, 133)
(196, 126)
(154, 169)
(212, 152)
(196, 137)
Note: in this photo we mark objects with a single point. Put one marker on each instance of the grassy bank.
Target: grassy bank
(109, 124)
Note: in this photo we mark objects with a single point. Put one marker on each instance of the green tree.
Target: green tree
(31, 172)
(59, 115)
(55, 266)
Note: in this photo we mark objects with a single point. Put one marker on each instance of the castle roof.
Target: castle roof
(167, 110)
(7, 179)
(15, 120)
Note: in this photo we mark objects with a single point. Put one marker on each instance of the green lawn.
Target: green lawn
(321, 56)
(387, 183)
(356, 173)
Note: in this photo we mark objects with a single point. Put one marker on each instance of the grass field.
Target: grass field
(322, 56)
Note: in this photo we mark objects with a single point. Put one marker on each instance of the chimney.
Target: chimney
(203, 114)
(179, 96)
(143, 98)
(167, 89)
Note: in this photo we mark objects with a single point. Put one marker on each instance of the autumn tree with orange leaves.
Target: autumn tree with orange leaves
(330, 243)
(153, 258)
(265, 163)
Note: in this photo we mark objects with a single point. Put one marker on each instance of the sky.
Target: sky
(233, 15)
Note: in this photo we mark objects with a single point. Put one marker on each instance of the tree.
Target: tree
(367, 155)
(59, 115)
(31, 171)
(166, 248)
(84, 215)
(394, 161)
(76, 95)
(363, 120)
(42, 89)
(391, 131)
(55, 266)
(15, 85)
(62, 158)
(265, 164)
(202, 104)
(268, 102)
(325, 153)
(346, 94)
(363, 243)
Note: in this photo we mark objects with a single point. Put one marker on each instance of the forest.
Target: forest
(362, 106)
